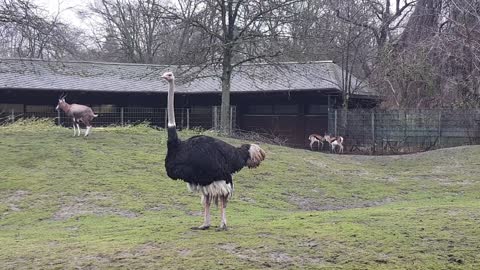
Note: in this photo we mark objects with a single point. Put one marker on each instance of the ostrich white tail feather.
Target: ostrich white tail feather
(214, 190)
(257, 155)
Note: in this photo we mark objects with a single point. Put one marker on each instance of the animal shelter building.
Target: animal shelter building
(286, 101)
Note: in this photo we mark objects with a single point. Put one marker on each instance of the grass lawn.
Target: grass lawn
(106, 202)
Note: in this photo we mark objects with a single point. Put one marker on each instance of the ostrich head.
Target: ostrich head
(256, 155)
(168, 76)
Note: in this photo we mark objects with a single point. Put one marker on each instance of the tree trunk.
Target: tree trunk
(422, 24)
(226, 79)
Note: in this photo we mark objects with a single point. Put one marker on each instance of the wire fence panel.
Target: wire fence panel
(402, 131)
(216, 113)
(201, 117)
(204, 117)
(364, 131)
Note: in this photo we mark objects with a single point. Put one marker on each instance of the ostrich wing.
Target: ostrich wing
(203, 160)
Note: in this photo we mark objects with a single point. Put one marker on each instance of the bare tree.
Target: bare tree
(460, 41)
(435, 61)
(134, 27)
(424, 22)
(383, 18)
(233, 32)
(27, 31)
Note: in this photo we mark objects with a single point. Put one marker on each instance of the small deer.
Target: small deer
(316, 138)
(334, 142)
(78, 113)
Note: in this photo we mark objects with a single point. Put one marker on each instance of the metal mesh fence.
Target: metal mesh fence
(364, 131)
(205, 117)
(404, 131)
(216, 118)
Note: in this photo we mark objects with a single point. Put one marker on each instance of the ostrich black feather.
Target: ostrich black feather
(201, 160)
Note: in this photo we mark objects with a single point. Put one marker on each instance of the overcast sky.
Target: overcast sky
(67, 9)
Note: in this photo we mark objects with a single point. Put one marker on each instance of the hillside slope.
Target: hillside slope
(105, 201)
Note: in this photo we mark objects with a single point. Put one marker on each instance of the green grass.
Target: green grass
(106, 202)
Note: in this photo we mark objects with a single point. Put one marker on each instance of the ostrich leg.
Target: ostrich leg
(206, 214)
(223, 207)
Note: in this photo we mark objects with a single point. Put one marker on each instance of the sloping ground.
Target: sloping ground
(105, 202)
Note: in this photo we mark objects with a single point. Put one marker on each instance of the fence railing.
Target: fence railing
(365, 131)
(206, 117)
(404, 131)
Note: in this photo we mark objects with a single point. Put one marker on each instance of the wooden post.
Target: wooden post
(439, 127)
(188, 118)
(121, 117)
(215, 118)
(231, 120)
(335, 124)
(59, 122)
(373, 131)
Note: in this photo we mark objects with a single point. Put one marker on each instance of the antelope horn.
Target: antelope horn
(63, 95)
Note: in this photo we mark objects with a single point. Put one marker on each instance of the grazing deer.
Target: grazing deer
(78, 113)
(315, 138)
(334, 142)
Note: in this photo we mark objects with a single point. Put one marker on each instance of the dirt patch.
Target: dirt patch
(247, 199)
(443, 180)
(90, 204)
(90, 261)
(184, 252)
(139, 251)
(12, 200)
(267, 258)
(280, 257)
(328, 204)
(121, 259)
(244, 254)
(195, 213)
(445, 152)
(159, 207)
(316, 163)
(358, 172)
(382, 258)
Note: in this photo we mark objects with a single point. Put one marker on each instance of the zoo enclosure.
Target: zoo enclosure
(365, 131)
(403, 131)
(205, 117)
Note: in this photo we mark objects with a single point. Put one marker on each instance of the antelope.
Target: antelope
(78, 113)
(315, 138)
(334, 142)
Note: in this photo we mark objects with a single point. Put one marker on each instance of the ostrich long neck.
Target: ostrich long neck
(170, 104)
(173, 140)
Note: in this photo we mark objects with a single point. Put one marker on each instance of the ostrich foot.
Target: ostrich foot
(222, 227)
(202, 228)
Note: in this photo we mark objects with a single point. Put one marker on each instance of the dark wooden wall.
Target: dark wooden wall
(292, 117)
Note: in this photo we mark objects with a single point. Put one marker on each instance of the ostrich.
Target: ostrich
(206, 163)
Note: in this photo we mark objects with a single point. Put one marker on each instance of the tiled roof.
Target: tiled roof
(119, 77)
